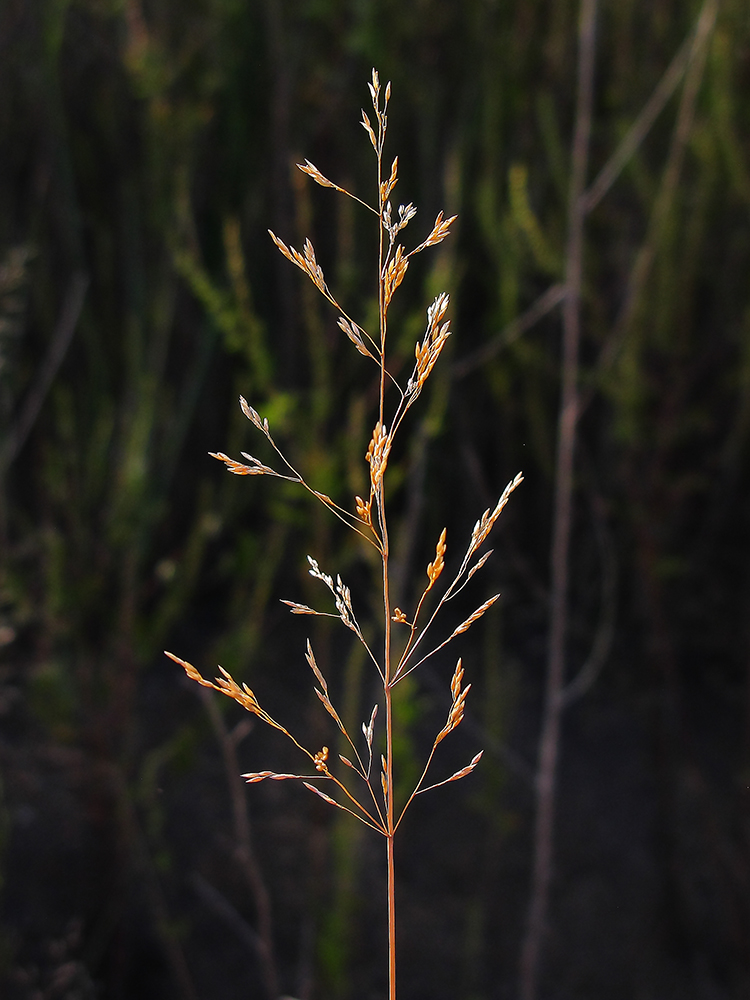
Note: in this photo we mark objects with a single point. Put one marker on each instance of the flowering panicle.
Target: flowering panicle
(371, 799)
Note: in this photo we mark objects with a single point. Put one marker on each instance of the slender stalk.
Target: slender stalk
(549, 741)
(388, 695)
(390, 851)
(387, 625)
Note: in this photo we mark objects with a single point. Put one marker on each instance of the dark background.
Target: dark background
(145, 149)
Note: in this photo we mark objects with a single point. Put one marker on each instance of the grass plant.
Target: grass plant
(407, 640)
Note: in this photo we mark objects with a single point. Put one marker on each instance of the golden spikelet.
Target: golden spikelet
(440, 230)
(484, 525)
(312, 171)
(428, 351)
(256, 467)
(395, 273)
(253, 416)
(387, 186)
(354, 334)
(365, 123)
(228, 686)
(364, 510)
(475, 616)
(458, 675)
(300, 609)
(456, 714)
(435, 568)
(306, 262)
(377, 454)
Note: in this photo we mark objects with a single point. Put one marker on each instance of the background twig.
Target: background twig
(549, 741)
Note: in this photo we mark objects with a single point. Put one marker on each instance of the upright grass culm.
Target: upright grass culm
(401, 654)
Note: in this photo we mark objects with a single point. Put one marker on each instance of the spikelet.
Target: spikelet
(456, 714)
(323, 695)
(364, 510)
(228, 686)
(440, 230)
(365, 123)
(254, 776)
(301, 609)
(255, 468)
(354, 333)
(454, 777)
(374, 87)
(387, 186)
(384, 778)
(369, 729)
(377, 454)
(458, 676)
(395, 273)
(484, 525)
(464, 770)
(341, 593)
(306, 262)
(312, 171)
(475, 616)
(254, 417)
(435, 568)
(405, 214)
(428, 351)
(323, 796)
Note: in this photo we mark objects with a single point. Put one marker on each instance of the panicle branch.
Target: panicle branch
(228, 686)
(486, 522)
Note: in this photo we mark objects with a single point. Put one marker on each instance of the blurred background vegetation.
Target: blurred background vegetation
(146, 149)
